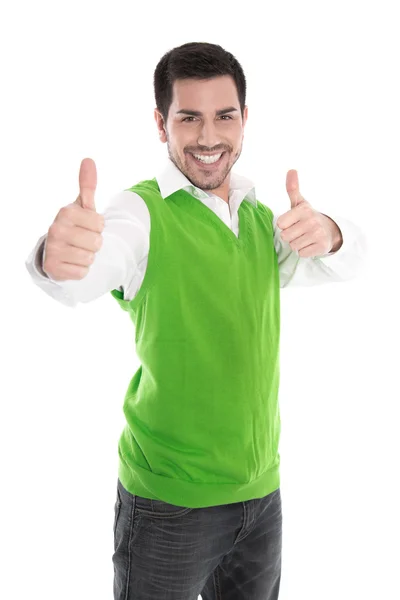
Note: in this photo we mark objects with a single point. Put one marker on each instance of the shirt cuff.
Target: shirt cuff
(348, 231)
(352, 255)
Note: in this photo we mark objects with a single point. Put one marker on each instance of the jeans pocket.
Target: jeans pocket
(160, 509)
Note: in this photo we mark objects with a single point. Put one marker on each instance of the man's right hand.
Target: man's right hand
(75, 235)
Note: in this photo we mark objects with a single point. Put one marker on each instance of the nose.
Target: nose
(208, 137)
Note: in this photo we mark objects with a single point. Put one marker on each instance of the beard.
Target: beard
(204, 181)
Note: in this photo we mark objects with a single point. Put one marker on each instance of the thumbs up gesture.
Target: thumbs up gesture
(75, 235)
(308, 232)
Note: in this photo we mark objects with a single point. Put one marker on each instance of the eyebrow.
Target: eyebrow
(197, 113)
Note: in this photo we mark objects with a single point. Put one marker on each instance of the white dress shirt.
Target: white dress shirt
(122, 259)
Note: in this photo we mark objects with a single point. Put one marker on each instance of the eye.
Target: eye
(222, 116)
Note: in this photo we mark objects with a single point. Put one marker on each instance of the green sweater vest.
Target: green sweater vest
(202, 412)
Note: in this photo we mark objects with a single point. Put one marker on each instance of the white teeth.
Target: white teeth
(208, 159)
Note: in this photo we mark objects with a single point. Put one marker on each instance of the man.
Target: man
(198, 262)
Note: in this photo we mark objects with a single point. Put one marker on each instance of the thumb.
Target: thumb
(87, 184)
(292, 188)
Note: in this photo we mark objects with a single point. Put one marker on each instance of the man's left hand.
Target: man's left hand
(308, 232)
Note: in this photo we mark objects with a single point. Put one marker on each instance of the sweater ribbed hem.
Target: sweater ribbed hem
(189, 494)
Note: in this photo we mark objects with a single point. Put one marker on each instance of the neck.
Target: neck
(223, 190)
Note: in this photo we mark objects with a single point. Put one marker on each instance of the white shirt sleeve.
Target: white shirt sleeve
(126, 239)
(347, 263)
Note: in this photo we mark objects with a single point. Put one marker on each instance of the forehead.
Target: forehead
(204, 94)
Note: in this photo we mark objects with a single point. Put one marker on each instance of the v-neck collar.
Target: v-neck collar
(218, 223)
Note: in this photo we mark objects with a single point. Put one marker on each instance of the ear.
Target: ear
(160, 125)
(245, 115)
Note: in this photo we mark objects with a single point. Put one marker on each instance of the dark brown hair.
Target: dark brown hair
(195, 60)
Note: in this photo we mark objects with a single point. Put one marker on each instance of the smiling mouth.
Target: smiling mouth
(208, 160)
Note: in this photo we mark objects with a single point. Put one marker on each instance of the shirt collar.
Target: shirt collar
(171, 179)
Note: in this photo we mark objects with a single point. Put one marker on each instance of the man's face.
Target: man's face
(208, 132)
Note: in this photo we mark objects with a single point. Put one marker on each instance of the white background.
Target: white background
(323, 99)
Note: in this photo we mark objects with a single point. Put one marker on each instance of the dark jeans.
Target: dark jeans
(226, 552)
